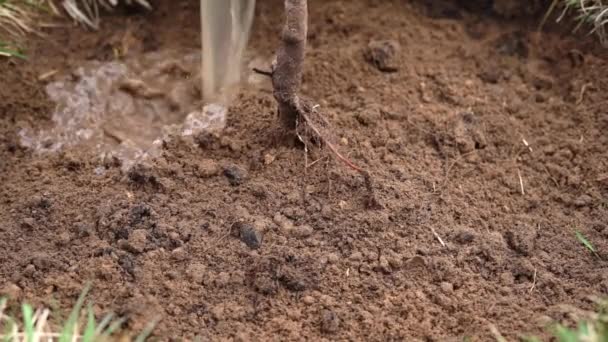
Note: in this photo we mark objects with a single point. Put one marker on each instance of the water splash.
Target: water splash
(125, 109)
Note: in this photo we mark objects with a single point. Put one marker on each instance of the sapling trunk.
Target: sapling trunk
(296, 113)
(287, 67)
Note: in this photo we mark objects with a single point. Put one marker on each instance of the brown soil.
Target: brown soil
(234, 238)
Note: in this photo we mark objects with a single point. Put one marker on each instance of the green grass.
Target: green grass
(594, 329)
(585, 242)
(7, 51)
(35, 326)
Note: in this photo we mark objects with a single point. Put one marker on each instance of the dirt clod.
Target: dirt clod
(235, 174)
(249, 235)
(302, 231)
(521, 239)
(208, 168)
(383, 54)
(330, 323)
(137, 240)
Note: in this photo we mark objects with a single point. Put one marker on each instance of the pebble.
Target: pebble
(333, 258)
(28, 222)
(29, 270)
(416, 262)
(196, 272)
(208, 168)
(179, 254)
(269, 158)
(384, 265)
(446, 287)
(303, 231)
(326, 212)
(356, 256)
(283, 222)
(137, 240)
(464, 237)
(330, 323)
(249, 235)
(308, 300)
(235, 175)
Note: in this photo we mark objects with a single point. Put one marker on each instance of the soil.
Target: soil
(487, 145)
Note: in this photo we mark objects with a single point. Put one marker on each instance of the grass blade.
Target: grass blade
(104, 322)
(89, 330)
(147, 331)
(28, 322)
(7, 52)
(112, 328)
(68, 330)
(582, 239)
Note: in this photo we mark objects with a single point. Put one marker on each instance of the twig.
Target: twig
(581, 96)
(438, 237)
(533, 282)
(262, 72)
(527, 144)
(521, 182)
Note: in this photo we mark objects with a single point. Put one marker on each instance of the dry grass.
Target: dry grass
(87, 11)
(585, 12)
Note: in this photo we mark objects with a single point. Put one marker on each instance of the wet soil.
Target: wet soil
(486, 141)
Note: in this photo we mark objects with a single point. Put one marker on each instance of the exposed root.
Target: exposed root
(296, 113)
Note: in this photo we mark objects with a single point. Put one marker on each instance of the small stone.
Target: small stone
(384, 265)
(522, 239)
(208, 168)
(395, 262)
(303, 231)
(196, 272)
(446, 287)
(235, 175)
(241, 212)
(29, 222)
(222, 279)
(269, 158)
(464, 237)
(218, 312)
(416, 262)
(283, 222)
(342, 205)
(356, 256)
(142, 174)
(137, 241)
(235, 146)
(333, 258)
(294, 213)
(326, 212)
(382, 54)
(29, 270)
(330, 323)
(63, 239)
(249, 235)
(293, 281)
(308, 300)
(179, 254)
(265, 285)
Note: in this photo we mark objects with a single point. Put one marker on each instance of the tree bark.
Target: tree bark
(287, 67)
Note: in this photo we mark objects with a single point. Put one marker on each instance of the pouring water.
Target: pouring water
(226, 26)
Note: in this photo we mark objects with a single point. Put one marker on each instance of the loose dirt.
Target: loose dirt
(487, 142)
